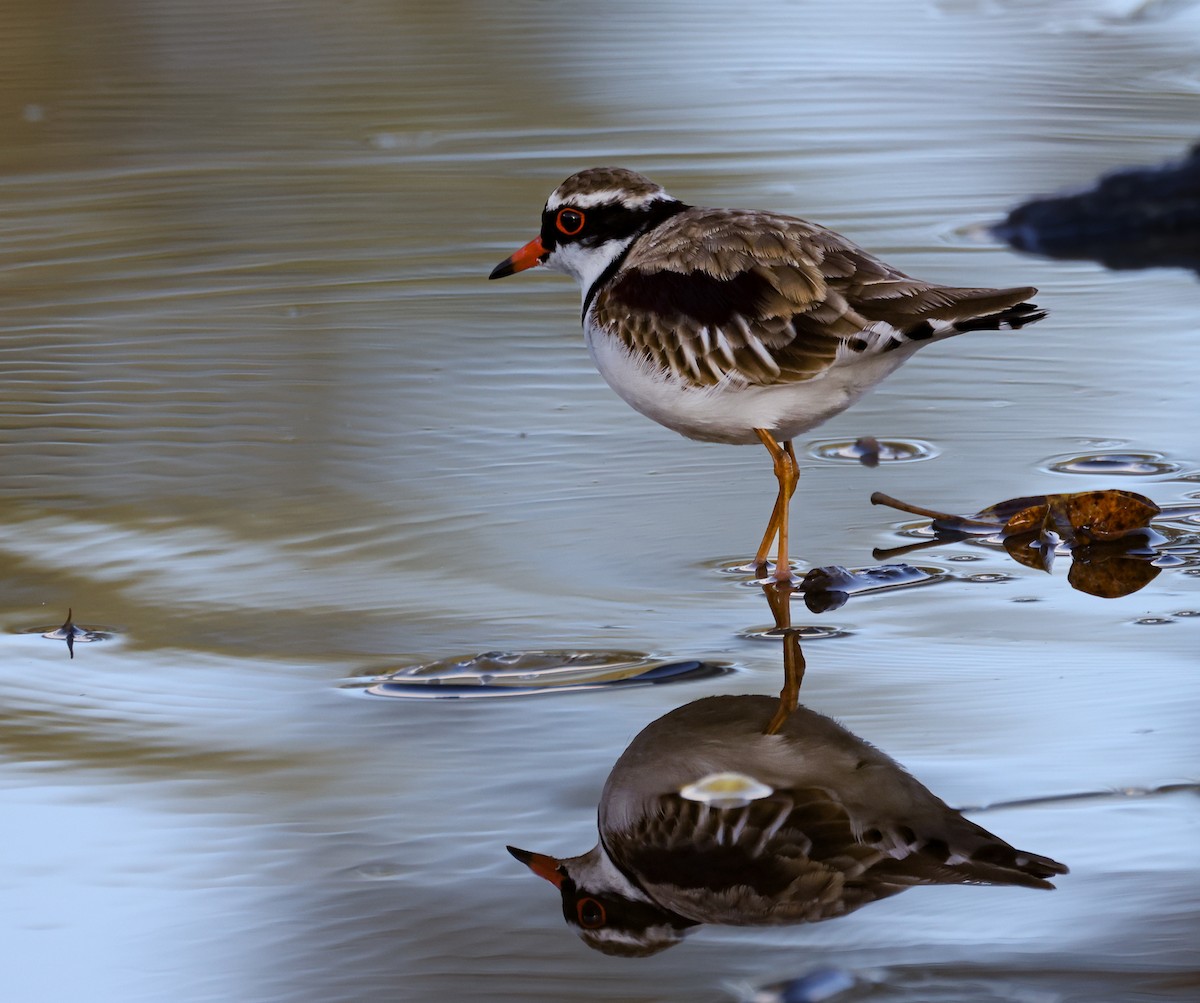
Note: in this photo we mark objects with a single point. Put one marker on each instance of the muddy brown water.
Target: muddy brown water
(263, 420)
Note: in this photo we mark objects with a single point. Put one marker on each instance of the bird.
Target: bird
(705, 818)
(741, 326)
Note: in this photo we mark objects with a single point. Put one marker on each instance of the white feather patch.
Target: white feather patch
(608, 196)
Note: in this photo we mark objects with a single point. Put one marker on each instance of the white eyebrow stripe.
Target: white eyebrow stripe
(609, 196)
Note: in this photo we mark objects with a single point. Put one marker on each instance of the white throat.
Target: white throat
(595, 872)
(586, 264)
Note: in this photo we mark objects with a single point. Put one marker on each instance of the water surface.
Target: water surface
(264, 421)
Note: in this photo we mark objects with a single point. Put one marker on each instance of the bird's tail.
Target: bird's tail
(1011, 318)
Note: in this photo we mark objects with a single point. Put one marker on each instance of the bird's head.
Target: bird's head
(588, 222)
(608, 911)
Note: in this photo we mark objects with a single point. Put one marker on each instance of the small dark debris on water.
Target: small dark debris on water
(1140, 217)
(67, 632)
(71, 633)
(829, 588)
(821, 600)
(867, 447)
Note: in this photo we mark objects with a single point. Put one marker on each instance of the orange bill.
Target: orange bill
(528, 256)
(542, 865)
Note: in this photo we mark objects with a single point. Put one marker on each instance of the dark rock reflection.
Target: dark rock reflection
(1141, 217)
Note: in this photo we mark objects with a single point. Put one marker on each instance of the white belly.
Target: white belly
(730, 411)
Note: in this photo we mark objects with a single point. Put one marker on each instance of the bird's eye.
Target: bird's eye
(591, 914)
(569, 221)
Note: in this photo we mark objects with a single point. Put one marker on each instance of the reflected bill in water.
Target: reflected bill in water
(706, 818)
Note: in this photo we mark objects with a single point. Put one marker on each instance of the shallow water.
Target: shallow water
(264, 422)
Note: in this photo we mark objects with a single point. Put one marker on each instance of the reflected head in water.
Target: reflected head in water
(706, 818)
(608, 911)
(741, 326)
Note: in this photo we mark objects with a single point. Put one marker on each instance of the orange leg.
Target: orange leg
(779, 598)
(787, 473)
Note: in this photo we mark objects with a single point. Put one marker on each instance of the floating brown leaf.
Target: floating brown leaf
(1002, 512)
(1084, 515)
(1081, 516)
(1113, 578)
(1032, 550)
(1104, 531)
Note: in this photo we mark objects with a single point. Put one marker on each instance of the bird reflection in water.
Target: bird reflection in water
(751, 811)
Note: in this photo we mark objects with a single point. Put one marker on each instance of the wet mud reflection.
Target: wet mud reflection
(755, 811)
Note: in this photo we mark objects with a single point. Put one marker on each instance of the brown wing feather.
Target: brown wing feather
(797, 856)
(787, 858)
(763, 298)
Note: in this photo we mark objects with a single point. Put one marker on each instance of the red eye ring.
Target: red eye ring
(569, 221)
(590, 913)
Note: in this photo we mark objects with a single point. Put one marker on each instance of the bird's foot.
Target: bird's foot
(773, 572)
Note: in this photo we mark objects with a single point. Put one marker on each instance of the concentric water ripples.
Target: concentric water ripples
(1115, 464)
(72, 633)
(870, 451)
(806, 632)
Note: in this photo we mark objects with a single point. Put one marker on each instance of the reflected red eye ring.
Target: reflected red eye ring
(591, 923)
(562, 225)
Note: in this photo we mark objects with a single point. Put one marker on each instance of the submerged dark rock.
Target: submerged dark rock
(1141, 217)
